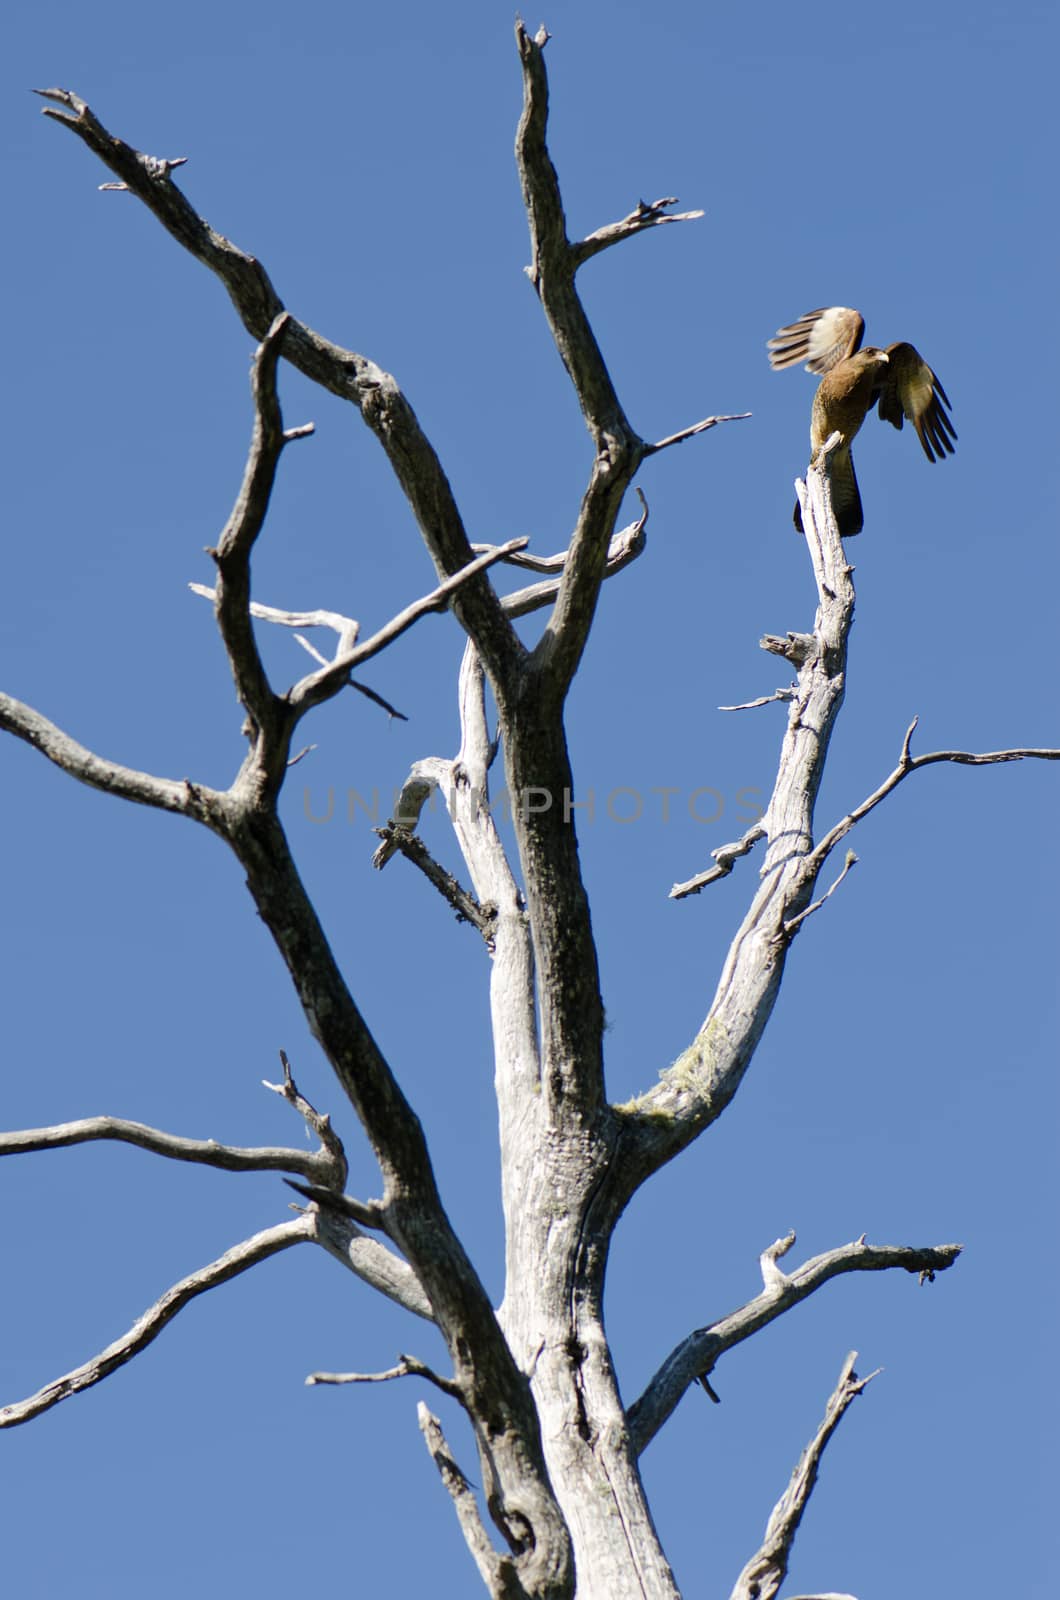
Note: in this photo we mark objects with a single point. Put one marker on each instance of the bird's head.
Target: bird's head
(869, 369)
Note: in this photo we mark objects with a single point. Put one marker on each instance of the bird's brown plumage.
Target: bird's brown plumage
(853, 380)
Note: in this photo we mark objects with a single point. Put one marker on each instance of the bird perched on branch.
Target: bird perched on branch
(829, 342)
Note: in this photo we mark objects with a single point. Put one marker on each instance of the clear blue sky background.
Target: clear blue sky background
(898, 159)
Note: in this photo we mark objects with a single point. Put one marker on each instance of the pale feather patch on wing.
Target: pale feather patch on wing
(820, 338)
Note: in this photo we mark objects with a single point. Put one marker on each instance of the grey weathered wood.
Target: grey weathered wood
(765, 1572)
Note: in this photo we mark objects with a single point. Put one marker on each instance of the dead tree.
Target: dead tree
(564, 1509)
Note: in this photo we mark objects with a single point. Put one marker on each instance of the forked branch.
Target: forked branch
(908, 763)
(318, 1121)
(246, 818)
(619, 449)
(322, 685)
(624, 546)
(645, 215)
(554, 261)
(465, 781)
(345, 373)
(699, 1353)
(319, 1166)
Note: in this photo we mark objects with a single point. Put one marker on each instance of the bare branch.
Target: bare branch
(400, 1371)
(701, 1350)
(336, 1378)
(150, 1325)
(150, 180)
(497, 1572)
(347, 629)
(794, 922)
(690, 433)
(695, 1089)
(352, 377)
(188, 799)
(554, 261)
(909, 763)
(618, 448)
(335, 674)
(681, 891)
(527, 559)
(236, 544)
(319, 1121)
(645, 216)
(464, 783)
(767, 1568)
(773, 1279)
(626, 545)
(368, 1213)
(407, 1367)
(536, 755)
(764, 699)
(322, 685)
(317, 1165)
(348, 654)
(725, 855)
(798, 648)
(234, 609)
(513, 1006)
(558, 653)
(368, 1259)
(467, 908)
(377, 700)
(425, 777)
(415, 1217)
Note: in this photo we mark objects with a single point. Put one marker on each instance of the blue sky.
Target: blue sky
(897, 159)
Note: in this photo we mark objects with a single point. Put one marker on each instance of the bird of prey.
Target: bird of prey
(853, 381)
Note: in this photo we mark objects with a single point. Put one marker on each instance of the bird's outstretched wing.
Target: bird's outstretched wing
(910, 389)
(821, 338)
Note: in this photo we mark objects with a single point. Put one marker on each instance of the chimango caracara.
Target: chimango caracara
(854, 380)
